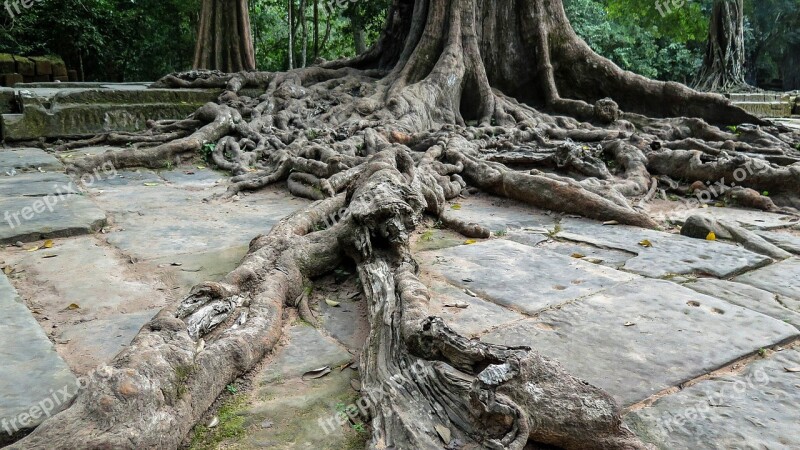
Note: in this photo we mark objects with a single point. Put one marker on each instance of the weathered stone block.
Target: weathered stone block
(10, 79)
(43, 65)
(7, 63)
(6, 100)
(25, 66)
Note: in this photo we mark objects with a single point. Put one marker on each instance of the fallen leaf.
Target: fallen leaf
(317, 373)
(444, 433)
(48, 244)
(331, 302)
(150, 184)
(73, 306)
(611, 222)
(33, 249)
(470, 293)
(201, 167)
(214, 422)
(711, 236)
(7, 270)
(48, 256)
(629, 324)
(645, 243)
(455, 206)
(356, 385)
(792, 369)
(578, 255)
(470, 242)
(266, 424)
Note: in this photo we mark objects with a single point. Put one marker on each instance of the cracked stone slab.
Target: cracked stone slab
(748, 218)
(192, 177)
(347, 323)
(782, 278)
(28, 159)
(773, 305)
(605, 256)
(639, 338)
(499, 214)
(37, 185)
(28, 219)
(162, 221)
(479, 315)
(520, 277)
(786, 241)
(669, 254)
(753, 409)
(306, 349)
(528, 238)
(91, 344)
(31, 370)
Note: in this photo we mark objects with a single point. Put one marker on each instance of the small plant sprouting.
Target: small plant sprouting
(231, 388)
(762, 352)
(427, 236)
(207, 150)
(500, 233)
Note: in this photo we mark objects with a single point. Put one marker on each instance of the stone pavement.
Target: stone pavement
(694, 338)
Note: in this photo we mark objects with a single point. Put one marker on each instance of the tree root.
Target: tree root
(436, 109)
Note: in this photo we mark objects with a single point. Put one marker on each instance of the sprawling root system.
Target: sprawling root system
(457, 95)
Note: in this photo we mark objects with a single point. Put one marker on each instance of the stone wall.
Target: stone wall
(35, 69)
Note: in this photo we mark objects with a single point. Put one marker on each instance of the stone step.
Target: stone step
(55, 110)
(35, 383)
(767, 109)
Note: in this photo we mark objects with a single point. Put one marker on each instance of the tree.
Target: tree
(723, 65)
(223, 38)
(380, 141)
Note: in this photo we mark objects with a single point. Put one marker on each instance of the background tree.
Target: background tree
(723, 65)
(224, 41)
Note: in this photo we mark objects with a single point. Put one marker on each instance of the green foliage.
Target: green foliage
(666, 49)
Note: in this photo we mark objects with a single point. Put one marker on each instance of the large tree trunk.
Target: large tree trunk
(380, 141)
(723, 65)
(224, 41)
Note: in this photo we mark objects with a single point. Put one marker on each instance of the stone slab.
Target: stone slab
(306, 349)
(596, 255)
(31, 370)
(786, 241)
(347, 323)
(37, 184)
(748, 218)
(192, 177)
(28, 159)
(499, 214)
(71, 215)
(677, 335)
(300, 414)
(478, 317)
(773, 305)
(782, 278)
(520, 277)
(669, 254)
(91, 344)
(528, 238)
(160, 221)
(753, 409)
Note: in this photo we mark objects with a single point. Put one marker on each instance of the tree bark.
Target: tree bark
(224, 41)
(723, 65)
(381, 141)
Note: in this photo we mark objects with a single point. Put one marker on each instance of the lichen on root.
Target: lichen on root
(435, 110)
